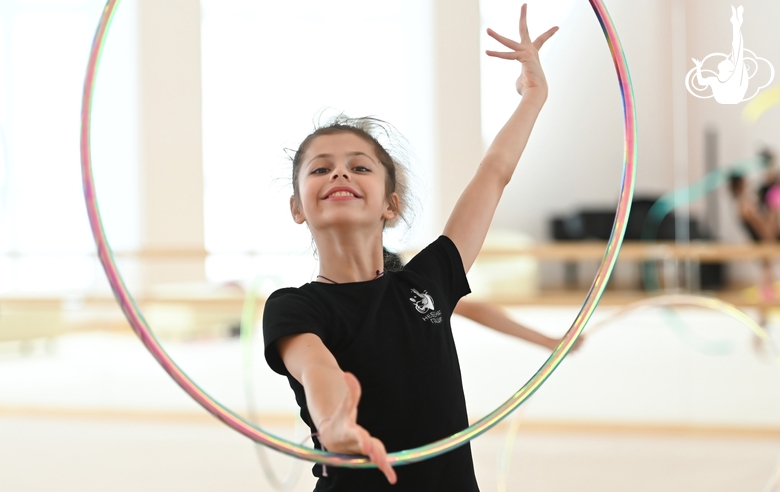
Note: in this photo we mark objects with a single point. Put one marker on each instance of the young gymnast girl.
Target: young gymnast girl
(369, 354)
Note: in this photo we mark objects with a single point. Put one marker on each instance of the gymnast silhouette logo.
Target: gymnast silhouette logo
(731, 82)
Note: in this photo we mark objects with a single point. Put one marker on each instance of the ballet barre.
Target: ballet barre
(702, 252)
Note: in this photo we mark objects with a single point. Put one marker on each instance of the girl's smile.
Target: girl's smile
(340, 193)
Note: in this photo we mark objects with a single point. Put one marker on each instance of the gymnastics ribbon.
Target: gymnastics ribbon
(683, 196)
(686, 300)
(761, 104)
(241, 425)
(695, 191)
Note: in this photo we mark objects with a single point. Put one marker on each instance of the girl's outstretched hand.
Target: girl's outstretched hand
(531, 81)
(340, 433)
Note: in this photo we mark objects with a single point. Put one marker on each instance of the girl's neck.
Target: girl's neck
(346, 258)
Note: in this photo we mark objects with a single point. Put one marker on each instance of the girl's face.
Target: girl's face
(342, 183)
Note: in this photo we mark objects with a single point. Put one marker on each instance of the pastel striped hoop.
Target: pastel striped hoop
(233, 420)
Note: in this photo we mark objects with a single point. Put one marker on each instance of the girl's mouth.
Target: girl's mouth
(342, 193)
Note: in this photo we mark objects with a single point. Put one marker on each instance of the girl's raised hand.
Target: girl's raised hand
(340, 433)
(531, 82)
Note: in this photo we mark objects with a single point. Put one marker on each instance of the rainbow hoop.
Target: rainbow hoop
(141, 328)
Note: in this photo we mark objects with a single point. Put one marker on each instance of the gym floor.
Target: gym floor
(71, 453)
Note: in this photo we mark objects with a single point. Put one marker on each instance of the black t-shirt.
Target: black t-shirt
(393, 333)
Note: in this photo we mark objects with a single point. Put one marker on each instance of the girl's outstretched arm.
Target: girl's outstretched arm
(332, 396)
(495, 318)
(470, 220)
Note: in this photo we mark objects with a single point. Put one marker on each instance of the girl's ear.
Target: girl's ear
(391, 211)
(295, 210)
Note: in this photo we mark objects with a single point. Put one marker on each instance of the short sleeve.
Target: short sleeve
(288, 312)
(441, 260)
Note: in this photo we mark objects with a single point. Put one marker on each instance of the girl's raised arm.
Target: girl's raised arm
(469, 222)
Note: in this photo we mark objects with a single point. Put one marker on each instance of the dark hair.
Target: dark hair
(735, 181)
(371, 130)
(392, 261)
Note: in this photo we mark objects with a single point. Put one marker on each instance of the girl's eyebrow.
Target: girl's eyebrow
(330, 156)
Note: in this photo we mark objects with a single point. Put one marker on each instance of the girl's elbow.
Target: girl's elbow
(503, 177)
(502, 168)
(499, 169)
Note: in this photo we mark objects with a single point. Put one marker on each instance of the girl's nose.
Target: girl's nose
(339, 173)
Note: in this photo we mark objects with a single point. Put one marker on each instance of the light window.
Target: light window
(44, 47)
(268, 69)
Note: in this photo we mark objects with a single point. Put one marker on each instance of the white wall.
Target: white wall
(574, 158)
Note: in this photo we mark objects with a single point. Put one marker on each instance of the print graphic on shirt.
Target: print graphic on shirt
(423, 303)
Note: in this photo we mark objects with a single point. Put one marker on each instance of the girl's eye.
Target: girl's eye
(320, 170)
(361, 169)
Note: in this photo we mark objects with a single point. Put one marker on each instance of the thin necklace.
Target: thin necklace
(378, 274)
